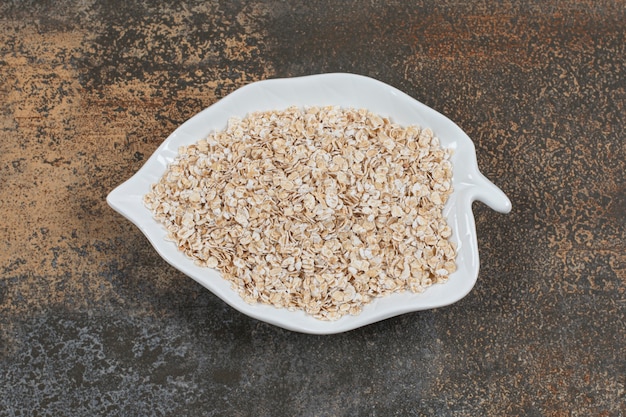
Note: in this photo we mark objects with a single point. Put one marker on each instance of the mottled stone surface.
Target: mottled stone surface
(93, 322)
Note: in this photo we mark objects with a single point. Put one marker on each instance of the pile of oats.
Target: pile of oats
(319, 209)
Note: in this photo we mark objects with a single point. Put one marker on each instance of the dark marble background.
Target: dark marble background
(93, 322)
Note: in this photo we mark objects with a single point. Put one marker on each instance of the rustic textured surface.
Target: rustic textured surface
(93, 322)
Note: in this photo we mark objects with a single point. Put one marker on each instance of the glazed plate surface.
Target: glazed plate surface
(345, 90)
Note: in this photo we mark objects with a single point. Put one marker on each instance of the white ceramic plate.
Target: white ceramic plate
(346, 90)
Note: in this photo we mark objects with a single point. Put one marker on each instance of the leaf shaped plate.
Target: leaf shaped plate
(345, 90)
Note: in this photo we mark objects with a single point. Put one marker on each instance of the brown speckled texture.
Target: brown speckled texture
(93, 322)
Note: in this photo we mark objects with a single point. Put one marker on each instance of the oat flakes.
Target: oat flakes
(319, 209)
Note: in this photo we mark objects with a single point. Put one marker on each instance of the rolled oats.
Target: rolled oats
(319, 209)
